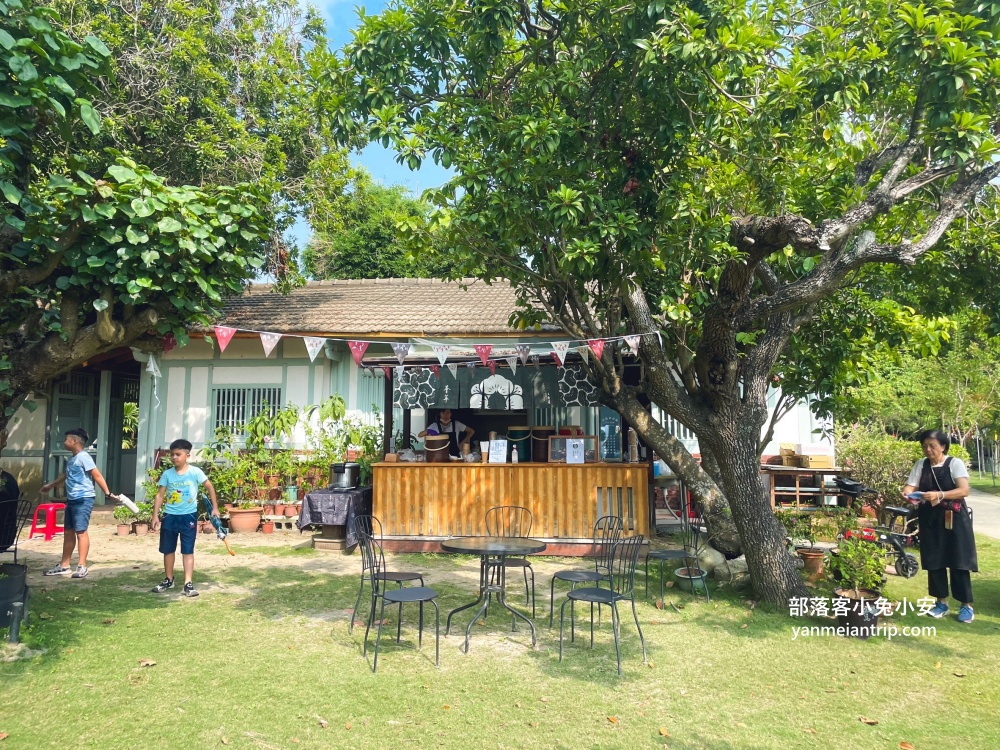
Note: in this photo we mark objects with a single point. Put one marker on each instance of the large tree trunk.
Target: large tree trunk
(718, 519)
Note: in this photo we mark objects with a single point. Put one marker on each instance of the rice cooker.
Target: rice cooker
(345, 476)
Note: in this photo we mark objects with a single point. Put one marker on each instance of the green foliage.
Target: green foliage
(331, 438)
(357, 235)
(860, 564)
(98, 251)
(123, 515)
(130, 424)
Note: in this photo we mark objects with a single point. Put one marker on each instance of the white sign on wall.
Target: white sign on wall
(498, 451)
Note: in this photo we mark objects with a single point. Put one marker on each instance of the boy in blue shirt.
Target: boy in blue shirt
(180, 486)
(80, 477)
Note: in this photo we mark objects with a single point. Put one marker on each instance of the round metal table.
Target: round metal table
(492, 551)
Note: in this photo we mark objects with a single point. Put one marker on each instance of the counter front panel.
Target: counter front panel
(442, 500)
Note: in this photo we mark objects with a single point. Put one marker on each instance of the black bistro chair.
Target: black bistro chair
(370, 526)
(694, 539)
(607, 531)
(513, 521)
(14, 515)
(623, 562)
(375, 566)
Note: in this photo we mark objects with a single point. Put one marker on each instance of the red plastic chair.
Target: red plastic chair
(51, 528)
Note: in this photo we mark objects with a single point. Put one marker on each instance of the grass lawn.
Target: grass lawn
(985, 484)
(263, 659)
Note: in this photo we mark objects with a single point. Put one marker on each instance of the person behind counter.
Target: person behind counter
(457, 432)
(946, 538)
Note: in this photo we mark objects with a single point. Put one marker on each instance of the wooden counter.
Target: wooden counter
(421, 500)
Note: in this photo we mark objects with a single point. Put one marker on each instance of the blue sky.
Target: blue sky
(341, 18)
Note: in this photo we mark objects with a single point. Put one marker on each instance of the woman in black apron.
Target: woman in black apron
(445, 425)
(946, 538)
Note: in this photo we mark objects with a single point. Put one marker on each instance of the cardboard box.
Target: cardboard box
(814, 449)
(790, 460)
(787, 449)
(816, 462)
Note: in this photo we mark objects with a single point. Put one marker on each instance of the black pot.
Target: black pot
(861, 619)
(13, 588)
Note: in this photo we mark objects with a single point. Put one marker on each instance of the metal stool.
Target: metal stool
(51, 528)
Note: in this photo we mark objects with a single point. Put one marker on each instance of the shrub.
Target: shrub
(860, 564)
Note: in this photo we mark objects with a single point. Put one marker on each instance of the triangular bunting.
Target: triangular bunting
(470, 365)
(453, 369)
(559, 348)
(483, 350)
(559, 362)
(436, 369)
(493, 366)
(357, 350)
(387, 371)
(399, 373)
(512, 363)
(441, 351)
(583, 351)
(633, 344)
(534, 360)
(523, 350)
(313, 345)
(401, 349)
(224, 334)
(596, 346)
(269, 341)
(169, 342)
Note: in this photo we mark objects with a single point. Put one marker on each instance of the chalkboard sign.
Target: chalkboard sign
(498, 451)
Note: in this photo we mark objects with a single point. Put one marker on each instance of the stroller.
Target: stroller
(901, 530)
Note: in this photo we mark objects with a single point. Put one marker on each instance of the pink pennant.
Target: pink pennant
(224, 334)
(269, 341)
(555, 356)
(559, 349)
(357, 350)
(596, 346)
(483, 350)
(387, 371)
(633, 344)
(436, 369)
(493, 366)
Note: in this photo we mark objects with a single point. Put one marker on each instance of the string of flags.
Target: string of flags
(484, 352)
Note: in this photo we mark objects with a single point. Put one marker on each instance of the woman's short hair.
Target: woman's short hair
(938, 435)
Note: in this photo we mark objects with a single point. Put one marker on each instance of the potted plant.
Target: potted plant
(124, 517)
(143, 519)
(267, 526)
(801, 534)
(859, 566)
(245, 518)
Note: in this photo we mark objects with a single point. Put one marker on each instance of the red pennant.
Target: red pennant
(493, 366)
(224, 334)
(483, 350)
(555, 356)
(387, 371)
(596, 346)
(436, 369)
(357, 350)
(169, 342)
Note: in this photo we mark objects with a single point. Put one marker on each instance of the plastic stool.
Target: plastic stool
(50, 529)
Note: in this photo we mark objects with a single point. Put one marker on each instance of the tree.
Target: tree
(356, 235)
(90, 262)
(211, 92)
(727, 174)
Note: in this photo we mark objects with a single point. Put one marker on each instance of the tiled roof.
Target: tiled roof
(378, 306)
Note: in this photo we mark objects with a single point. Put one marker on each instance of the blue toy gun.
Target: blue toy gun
(220, 532)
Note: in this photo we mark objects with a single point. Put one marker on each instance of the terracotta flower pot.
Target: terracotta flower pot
(812, 560)
(141, 529)
(228, 506)
(291, 510)
(124, 529)
(268, 509)
(273, 480)
(244, 520)
(267, 527)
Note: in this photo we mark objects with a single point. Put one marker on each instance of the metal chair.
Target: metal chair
(375, 566)
(607, 531)
(513, 521)
(623, 561)
(370, 526)
(14, 515)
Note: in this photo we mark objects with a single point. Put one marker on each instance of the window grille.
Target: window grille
(234, 407)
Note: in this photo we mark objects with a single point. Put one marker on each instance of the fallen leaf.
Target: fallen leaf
(810, 585)
(109, 621)
(937, 665)
(866, 720)
(741, 725)
(147, 663)
(664, 732)
(517, 705)
(295, 740)
(906, 746)
(810, 730)
(290, 647)
(543, 699)
(649, 664)
(446, 707)
(670, 584)
(87, 684)
(225, 741)
(3, 736)
(959, 674)
(44, 616)
(743, 626)
(613, 719)
(659, 604)
(135, 567)
(347, 726)
(323, 722)
(830, 690)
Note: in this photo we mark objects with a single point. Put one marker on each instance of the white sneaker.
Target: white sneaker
(81, 572)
